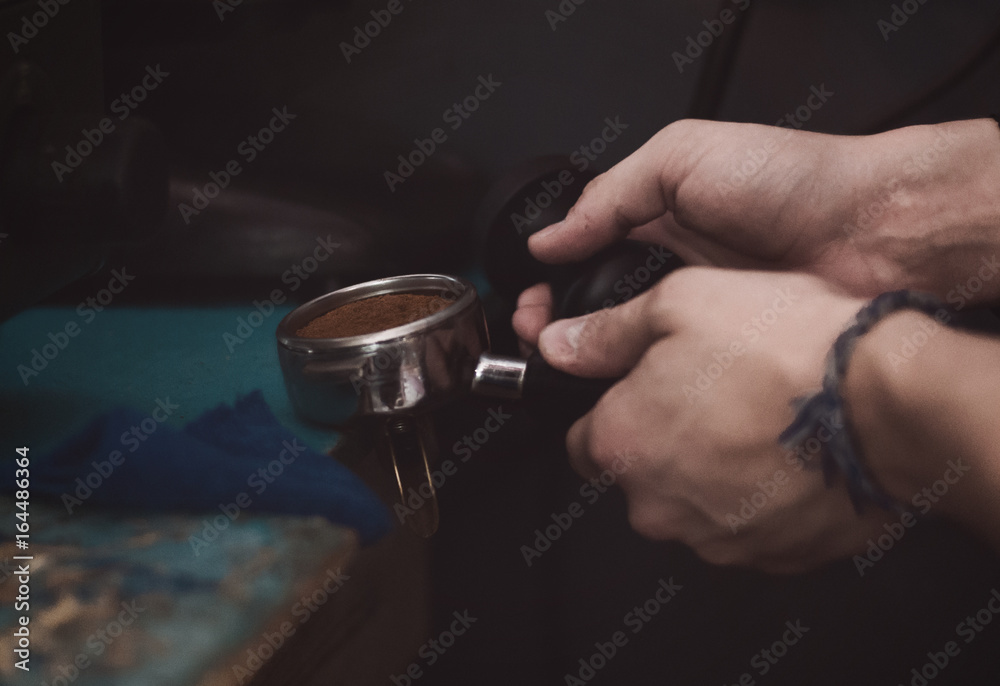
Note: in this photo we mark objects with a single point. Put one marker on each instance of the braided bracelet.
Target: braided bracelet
(825, 409)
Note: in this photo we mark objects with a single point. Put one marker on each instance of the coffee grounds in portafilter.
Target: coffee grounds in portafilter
(373, 314)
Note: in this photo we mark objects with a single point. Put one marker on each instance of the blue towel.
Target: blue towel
(227, 462)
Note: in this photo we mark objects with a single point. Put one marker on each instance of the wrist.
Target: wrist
(880, 402)
(928, 206)
(920, 398)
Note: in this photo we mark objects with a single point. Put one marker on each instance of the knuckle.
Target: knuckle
(608, 437)
(680, 128)
(680, 291)
(592, 336)
(591, 193)
(601, 439)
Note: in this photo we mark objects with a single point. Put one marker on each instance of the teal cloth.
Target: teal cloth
(167, 366)
(132, 357)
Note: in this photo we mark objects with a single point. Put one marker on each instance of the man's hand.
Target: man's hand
(913, 208)
(713, 359)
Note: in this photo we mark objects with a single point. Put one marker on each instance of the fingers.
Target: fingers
(606, 343)
(636, 191)
(534, 312)
(594, 451)
(720, 193)
(603, 446)
(578, 442)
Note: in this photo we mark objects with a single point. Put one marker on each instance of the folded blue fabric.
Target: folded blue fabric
(229, 461)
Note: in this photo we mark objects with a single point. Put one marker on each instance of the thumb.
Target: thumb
(634, 192)
(606, 343)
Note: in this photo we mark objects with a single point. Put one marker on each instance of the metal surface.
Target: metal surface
(408, 369)
(410, 448)
(396, 376)
(499, 376)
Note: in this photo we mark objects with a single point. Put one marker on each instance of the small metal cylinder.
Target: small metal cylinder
(498, 376)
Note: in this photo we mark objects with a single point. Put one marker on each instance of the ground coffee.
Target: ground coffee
(373, 314)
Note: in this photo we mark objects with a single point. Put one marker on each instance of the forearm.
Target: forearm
(935, 212)
(923, 400)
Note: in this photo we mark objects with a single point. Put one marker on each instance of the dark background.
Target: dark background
(325, 174)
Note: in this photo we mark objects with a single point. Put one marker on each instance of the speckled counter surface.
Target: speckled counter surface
(198, 611)
(201, 614)
(124, 601)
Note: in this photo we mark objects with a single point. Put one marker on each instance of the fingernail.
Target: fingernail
(547, 231)
(561, 339)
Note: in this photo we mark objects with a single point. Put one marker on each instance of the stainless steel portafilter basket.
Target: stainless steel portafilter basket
(409, 369)
(395, 377)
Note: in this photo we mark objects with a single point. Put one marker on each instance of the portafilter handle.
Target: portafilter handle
(564, 396)
(526, 200)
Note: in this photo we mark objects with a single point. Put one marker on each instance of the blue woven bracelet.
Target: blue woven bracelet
(824, 411)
